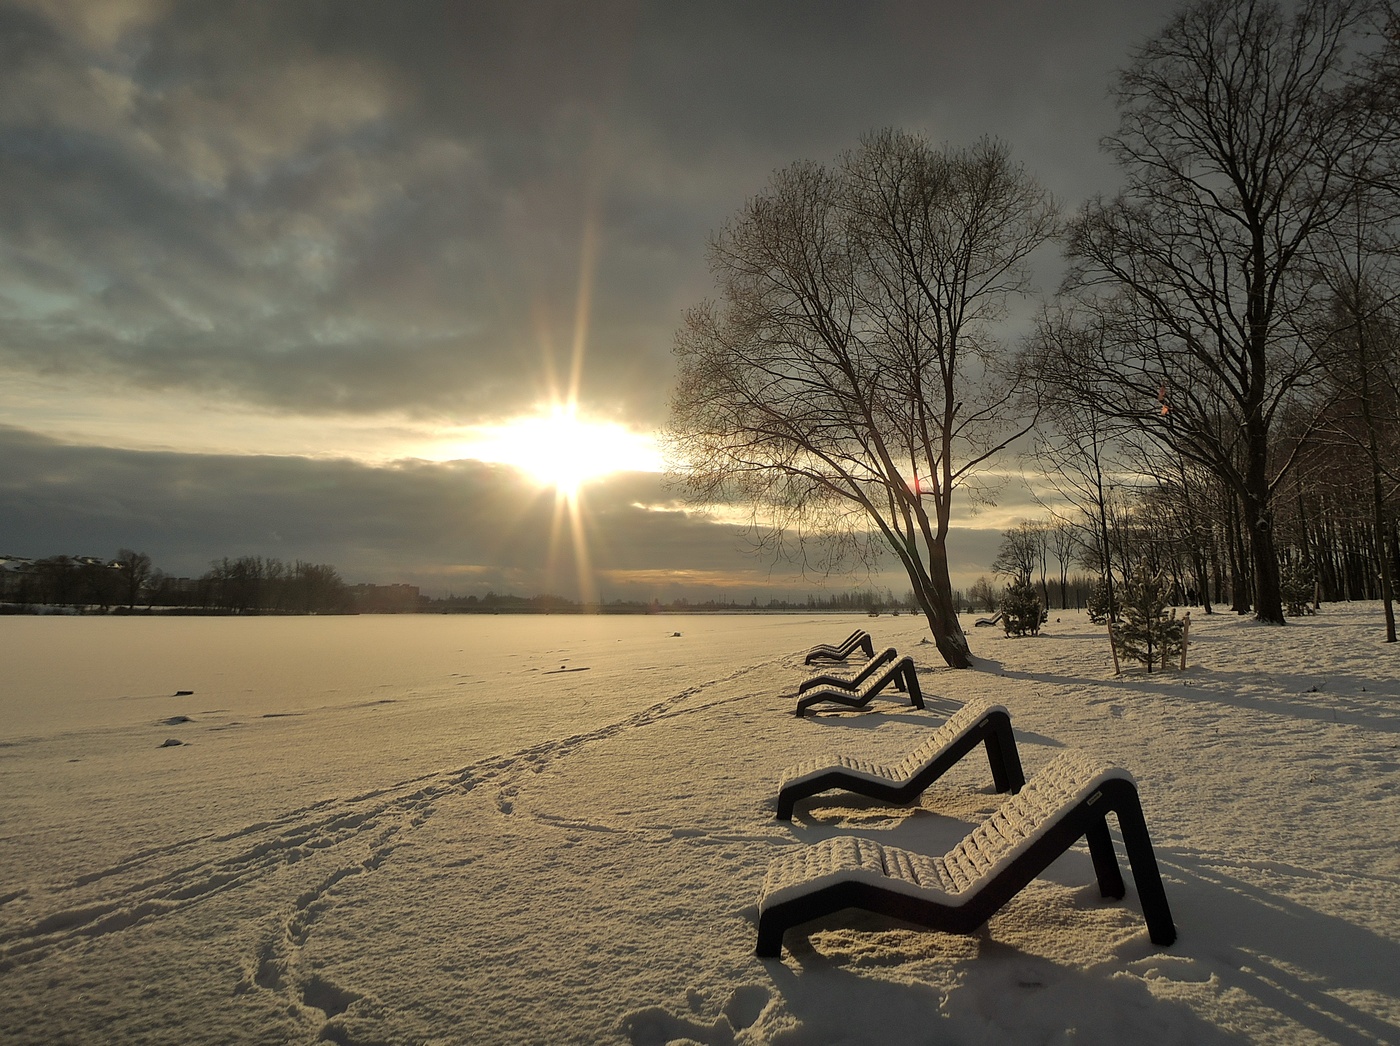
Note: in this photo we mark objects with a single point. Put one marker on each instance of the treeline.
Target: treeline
(256, 585)
(1056, 588)
(1152, 513)
(858, 601)
(1218, 380)
(246, 585)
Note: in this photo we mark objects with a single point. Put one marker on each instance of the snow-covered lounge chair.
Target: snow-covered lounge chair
(958, 892)
(859, 639)
(902, 670)
(976, 722)
(868, 669)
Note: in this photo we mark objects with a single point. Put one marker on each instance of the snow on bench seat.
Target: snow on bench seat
(969, 715)
(977, 722)
(951, 879)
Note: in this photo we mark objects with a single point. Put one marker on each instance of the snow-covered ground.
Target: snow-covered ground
(418, 829)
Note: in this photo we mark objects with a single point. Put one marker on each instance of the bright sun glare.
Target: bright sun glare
(560, 449)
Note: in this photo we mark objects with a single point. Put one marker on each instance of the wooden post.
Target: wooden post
(1185, 638)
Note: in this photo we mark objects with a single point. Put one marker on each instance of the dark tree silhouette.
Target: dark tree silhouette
(1239, 152)
(135, 571)
(848, 379)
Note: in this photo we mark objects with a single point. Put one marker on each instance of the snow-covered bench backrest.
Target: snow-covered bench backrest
(1064, 782)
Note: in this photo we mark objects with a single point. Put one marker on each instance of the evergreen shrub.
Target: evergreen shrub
(1099, 608)
(1296, 586)
(1147, 631)
(1020, 610)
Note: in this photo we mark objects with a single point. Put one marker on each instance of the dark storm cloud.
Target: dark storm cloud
(355, 206)
(461, 526)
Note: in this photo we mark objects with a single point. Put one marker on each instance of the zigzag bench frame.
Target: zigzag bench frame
(902, 670)
(859, 639)
(977, 722)
(1110, 790)
(876, 662)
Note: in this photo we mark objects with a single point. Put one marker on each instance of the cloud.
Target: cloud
(432, 523)
(321, 226)
(344, 206)
(459, 526)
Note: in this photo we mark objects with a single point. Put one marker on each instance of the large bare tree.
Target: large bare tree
(1076, 445)
(848, 378)
(1238, 153)
(1359, 345)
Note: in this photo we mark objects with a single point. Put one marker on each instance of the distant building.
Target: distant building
(16, 585)
(385, 599)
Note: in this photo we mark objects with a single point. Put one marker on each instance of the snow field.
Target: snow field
(419, 830)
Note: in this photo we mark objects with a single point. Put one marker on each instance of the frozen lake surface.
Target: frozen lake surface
(553, 829)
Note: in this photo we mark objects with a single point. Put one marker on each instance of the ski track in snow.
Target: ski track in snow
(142, 887)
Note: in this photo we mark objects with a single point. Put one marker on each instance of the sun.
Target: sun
(557, 448)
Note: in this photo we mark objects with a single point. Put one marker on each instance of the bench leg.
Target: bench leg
(770, 939)
(1105, 860)
(1005, 761)
(992, 743)
(1146, 876)
(911, 683)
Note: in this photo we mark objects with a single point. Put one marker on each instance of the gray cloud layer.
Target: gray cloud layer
(352, 207)
(460, 526)
(344, 205)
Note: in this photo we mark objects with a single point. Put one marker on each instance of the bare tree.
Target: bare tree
(983, 594)
(135, 570)
(1077, 444)
(1064, 543)
(1238, 152)
(1360, 350)
(1022, 547)
(848, 379)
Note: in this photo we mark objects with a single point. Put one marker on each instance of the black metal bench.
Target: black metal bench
(857, 640)
(852, 682)
(977, 722)
(958, 892)
(902, 673)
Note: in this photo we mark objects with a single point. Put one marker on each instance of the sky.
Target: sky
(285, 279)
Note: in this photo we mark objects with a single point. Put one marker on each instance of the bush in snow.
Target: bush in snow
(1020, 609)
(1296, 586)
(1147, 632)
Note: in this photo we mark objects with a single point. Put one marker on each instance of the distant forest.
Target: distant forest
(1127, 510)
(248, 584)
(130, 583)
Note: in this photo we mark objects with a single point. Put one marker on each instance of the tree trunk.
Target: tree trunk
(1268, 595)
(1388, 555)
(1239, 599)
(1383, 554)
(1217, 578)
(937, 604)
(1202, 574)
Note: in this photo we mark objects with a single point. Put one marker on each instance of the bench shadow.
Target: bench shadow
(1301, 969)
(1002, 994)
(1290, 958)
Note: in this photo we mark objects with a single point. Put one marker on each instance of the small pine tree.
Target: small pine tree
(1296, 586)
(1020, 610)
(1099, 608)
(1147, 632)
